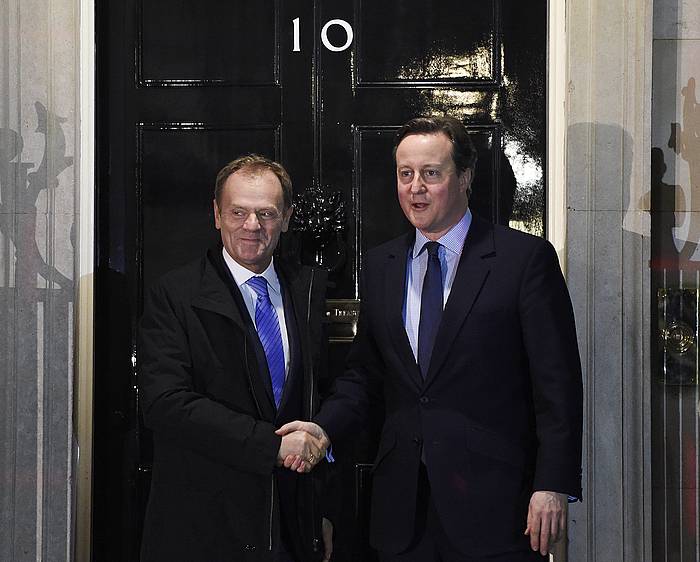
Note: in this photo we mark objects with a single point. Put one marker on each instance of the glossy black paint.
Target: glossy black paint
(185, 87)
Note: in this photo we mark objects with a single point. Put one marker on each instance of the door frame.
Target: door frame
(85, 272)
(555, 212)
(557, 78)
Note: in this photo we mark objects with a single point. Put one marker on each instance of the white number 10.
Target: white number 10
(324, 35)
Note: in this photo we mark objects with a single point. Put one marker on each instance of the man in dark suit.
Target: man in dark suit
(466, 332)
(228, 352)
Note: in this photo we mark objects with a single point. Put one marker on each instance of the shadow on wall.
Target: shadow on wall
(19, 192)
(610, 148)
(675, 272)
(684, 140)
(36, 304)
(601, 195)
(675, 207)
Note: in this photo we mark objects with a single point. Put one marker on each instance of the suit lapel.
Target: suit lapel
(471, 274)
(394, 296)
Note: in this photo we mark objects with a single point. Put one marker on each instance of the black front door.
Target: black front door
(185, 87)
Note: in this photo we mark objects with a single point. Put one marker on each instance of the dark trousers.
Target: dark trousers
(430, 543)
(282, 555)
(284, 549)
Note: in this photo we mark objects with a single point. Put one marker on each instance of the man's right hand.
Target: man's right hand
(299, 463)
(302, 445)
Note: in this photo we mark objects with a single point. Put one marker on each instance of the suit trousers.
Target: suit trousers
(430, 543)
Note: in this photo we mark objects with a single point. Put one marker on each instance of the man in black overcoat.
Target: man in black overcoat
(229, 350)
(466, 334)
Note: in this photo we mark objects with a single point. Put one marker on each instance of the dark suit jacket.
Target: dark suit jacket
(206, 394)
(499, 414)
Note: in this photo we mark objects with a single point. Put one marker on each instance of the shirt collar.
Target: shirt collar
(452, 240)
(241, 274)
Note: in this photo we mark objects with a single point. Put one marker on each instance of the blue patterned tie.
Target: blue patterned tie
(268, 326)
(430, 307)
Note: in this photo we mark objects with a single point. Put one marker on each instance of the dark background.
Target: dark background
(184, 87)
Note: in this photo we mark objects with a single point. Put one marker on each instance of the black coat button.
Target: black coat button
(416, 440)
(424, 399)
(249, 548)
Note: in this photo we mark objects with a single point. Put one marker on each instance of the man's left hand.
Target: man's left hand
(546, 519)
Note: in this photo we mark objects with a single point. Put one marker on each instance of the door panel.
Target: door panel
(185, 86)
(427, 43)
(208, 42)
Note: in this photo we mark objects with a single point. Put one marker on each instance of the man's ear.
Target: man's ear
(217, 215)
(286, 217)
(465, 179)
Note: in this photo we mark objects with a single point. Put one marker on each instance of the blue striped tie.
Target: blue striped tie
(268, 326)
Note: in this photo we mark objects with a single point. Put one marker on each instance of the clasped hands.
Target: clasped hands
(303, 446)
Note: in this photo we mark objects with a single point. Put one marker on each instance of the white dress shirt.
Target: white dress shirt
(451, 244)
(240, 275)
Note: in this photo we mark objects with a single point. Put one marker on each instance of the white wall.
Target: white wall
(38, 125)
(608, 112)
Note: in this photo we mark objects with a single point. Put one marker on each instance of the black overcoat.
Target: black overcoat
(499, 414)
(206, 395)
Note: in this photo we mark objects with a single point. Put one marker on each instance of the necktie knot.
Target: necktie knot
(259, 284)
(432, 249)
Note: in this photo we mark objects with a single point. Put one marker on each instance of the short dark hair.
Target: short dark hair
(254, 163)
(463, 152)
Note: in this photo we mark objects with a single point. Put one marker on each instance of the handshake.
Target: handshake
(303, 446)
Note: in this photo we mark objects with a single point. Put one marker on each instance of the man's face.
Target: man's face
(431, 193)
(251, 217)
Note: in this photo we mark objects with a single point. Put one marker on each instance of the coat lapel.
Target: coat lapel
(214, 293)
(219, 294)
(295, 282)
(472, 271)
(394, 296)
